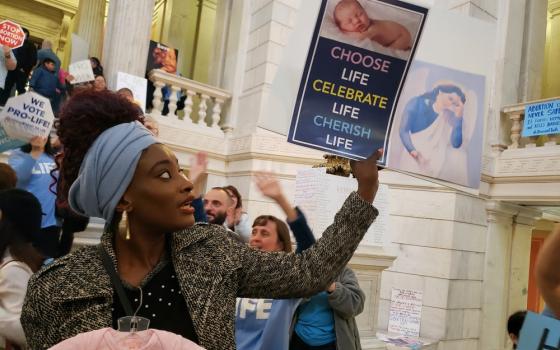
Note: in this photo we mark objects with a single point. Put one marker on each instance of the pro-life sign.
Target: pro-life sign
(542, 119)
(353, 76)
(26, 116)
(11, 34)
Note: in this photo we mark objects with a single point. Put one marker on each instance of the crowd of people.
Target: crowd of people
(191, 261)
(39, 70)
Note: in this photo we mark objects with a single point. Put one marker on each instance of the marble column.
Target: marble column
(127, 38)
(91, 14)
(533, 58)
(496, 275)
(524, 223)
(551, 86)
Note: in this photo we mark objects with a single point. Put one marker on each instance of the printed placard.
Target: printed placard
(542, 119)
(26, 116)
(539, 332)
(405, 312)
(81, 71)
(353, 76)
(11, 34)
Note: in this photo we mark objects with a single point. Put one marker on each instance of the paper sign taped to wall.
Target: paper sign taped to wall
(26, 116)
(405, 312)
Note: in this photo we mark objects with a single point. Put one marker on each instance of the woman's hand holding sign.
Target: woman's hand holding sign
(366, 173)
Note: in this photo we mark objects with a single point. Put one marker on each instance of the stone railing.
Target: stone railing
(190, 102)
(515, 114)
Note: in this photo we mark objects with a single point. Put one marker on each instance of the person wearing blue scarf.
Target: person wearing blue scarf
(115, 169)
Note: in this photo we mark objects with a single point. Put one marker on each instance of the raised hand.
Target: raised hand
(197, 172)
(366, 173)
(268, 185)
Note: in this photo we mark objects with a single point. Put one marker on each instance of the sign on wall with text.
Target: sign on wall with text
(356, 66)
(542, 119)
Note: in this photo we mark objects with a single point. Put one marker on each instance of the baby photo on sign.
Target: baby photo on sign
(372, 25)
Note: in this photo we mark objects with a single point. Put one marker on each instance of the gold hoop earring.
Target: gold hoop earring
(124, 227)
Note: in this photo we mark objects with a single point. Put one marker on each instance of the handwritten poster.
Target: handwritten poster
(137, 85)
(81, 71)
(539, 332)
(26, 116)
(405, 312)
(354, 72)
(321, 195)
(542, 119)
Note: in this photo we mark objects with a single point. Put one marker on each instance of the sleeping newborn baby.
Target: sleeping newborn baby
(352, 19)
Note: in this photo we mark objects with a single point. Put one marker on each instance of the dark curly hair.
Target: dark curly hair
(83, 118)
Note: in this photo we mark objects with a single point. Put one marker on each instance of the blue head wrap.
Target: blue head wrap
(107, 170)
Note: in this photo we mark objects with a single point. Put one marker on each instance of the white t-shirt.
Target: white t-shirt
(14, 276)
(3, 68)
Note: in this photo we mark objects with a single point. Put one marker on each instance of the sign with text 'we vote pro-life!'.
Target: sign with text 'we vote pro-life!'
(28, 115)
(356, 66)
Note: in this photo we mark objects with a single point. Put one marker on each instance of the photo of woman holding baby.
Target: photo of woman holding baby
(373, 25)
(438, 125)
(431, 123)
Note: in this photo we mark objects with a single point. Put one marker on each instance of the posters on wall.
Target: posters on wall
(542, 119)
(81, 71)
(355, 69)
(28, 115)
(321, 195)
(162, 57)
(405, 312)
(137, 85)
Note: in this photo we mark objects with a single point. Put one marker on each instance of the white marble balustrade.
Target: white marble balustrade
(514, 115)
(204, 104)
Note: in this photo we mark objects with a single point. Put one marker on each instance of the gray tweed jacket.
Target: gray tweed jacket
(74, 294)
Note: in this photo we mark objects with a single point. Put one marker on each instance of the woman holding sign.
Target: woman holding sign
(114, 168)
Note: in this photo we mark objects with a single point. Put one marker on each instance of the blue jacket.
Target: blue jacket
(45, 82)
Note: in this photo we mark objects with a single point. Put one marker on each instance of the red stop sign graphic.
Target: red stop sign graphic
(11, 34)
